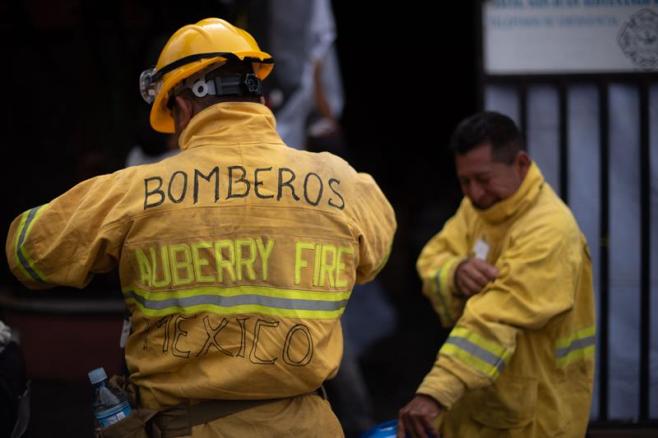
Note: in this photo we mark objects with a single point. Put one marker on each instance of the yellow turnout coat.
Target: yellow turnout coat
(519, 361)
(236, 256)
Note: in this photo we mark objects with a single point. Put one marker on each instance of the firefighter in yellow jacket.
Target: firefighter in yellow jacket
(511, 273)
(236, 256)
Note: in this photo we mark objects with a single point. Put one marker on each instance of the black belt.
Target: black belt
(180, 419)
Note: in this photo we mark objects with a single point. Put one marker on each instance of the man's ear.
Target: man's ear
(522, 163)
(183, 112)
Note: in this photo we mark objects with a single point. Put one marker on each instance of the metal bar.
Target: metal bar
(603, 242)
(563, 108)
(645, 250)
(619, 425)
(61, 305)
(523, 110)
(479, 44)
(571, 78)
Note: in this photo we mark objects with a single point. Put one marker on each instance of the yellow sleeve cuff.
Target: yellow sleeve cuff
(442, 292)
(443, 386)
(446, 275)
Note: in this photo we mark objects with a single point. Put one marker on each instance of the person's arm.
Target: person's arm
(375, 221)
(320, 97)
(64, 242)
(537, 281)
(437, 264)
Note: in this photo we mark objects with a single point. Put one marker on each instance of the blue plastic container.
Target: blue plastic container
(387, 429)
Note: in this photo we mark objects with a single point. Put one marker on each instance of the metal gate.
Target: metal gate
(595, 136)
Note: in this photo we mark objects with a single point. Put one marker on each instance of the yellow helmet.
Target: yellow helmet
(191, 49)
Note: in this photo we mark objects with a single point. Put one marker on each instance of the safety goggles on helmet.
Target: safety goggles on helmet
(148, 88)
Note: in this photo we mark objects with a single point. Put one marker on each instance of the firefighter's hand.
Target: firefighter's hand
(416, 419)
(472, 275)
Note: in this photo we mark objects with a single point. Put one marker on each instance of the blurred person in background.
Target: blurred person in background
(511, 273)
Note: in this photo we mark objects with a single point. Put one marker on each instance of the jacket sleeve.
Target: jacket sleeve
(376, 225)
(537, 282)
(64, 242)
(436, 266)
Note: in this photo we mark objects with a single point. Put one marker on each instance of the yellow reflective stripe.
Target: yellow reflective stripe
(23, 260)
(582, 333)
(443, 274)
(579, 345)
(470, 360)
(441, 290)
(576, 355)
(242, 309)
(492, 347)
(241, 290)
(442, 306)
(484, 355)
(17, 245)
(242, 299)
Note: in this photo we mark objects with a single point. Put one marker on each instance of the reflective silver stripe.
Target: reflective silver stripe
(19, 245)
(442, 299)
(477, 351)
(577, 344)
(238, 300)
(30, 218)
(437, 280)
(28, 268)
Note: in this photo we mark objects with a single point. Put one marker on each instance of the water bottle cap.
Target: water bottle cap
(97, 375)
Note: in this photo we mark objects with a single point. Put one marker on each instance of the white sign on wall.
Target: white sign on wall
(570, 36)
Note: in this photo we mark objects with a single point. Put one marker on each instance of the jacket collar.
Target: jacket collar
(230, 123)
(519, 201)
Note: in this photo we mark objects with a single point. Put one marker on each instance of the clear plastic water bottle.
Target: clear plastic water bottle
(110, 404)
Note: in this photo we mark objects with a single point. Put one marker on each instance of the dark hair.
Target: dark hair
(490, 127)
